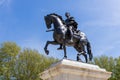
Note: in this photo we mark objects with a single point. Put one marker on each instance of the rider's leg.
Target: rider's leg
(71, 32)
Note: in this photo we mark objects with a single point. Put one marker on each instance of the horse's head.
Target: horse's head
(55, 19)
(48, 21)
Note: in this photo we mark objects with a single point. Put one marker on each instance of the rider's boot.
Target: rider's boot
(71, 39)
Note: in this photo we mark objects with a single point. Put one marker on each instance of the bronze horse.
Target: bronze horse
(60, 36)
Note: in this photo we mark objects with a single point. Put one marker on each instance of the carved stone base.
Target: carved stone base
(73, 70)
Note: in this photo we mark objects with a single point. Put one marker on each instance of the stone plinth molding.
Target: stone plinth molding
(73, 70)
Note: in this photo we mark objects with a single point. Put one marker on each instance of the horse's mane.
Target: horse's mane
(59, 17)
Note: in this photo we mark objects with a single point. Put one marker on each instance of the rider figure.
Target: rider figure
(71, 25)
(70, 22)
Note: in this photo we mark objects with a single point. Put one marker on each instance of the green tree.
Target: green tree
(30, 63)
(21, 64)
(117, 69)
(105, 62)
(8, 53)
(109, 63)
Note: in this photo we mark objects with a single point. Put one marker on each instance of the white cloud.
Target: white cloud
(6, 3)
(2, 2)
(101, 12)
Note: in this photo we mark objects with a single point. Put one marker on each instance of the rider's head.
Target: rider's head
(67, 14)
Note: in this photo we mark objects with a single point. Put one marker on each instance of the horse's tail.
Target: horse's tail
(89, 51)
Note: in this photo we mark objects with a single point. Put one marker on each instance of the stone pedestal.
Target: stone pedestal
(73, 70)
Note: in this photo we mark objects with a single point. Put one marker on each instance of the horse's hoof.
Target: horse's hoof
(90, 59)
(65, 57)
(59, 48)
(47, 52)
(79, 60)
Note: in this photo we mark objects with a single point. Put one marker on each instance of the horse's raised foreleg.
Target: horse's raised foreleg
(47, 43)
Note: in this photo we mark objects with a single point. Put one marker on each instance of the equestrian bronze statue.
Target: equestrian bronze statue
(65, 33)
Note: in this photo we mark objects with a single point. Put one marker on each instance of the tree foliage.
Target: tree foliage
(105, 62)
(30, 63)
(110, 64)
(20, 64)
(8, 53)
(117, 69)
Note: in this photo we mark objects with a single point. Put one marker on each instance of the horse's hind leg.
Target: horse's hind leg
(65, 54)
(89, 51)
(78, 58)
(47, 43)
(85, 55)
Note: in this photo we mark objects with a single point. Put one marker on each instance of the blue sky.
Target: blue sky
(22, 21)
